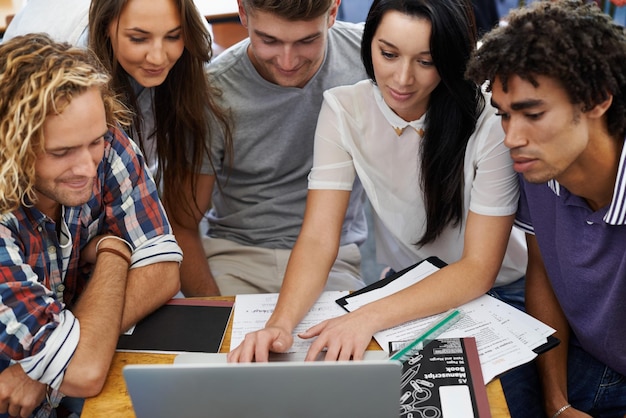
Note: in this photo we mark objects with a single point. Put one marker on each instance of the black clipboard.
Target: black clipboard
(548, 345)
(551, 342)
(436, 261)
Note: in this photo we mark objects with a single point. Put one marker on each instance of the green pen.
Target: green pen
(450, 318)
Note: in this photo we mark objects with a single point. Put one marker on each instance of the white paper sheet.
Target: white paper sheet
(251, 312)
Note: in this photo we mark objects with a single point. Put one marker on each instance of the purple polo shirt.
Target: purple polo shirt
(584, 253)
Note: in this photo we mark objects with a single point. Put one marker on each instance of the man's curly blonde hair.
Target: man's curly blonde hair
(39, 77)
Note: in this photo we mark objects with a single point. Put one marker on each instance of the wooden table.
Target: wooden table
(113, 401)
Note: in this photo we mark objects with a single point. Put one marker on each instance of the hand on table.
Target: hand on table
(19, 394)
(344, 338)
(257, 345)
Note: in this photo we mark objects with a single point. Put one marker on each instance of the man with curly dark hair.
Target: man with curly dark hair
(557, 72)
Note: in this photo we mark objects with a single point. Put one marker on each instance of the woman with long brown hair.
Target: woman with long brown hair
(156, 52)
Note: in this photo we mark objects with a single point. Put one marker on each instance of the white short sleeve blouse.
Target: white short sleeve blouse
(357, 135)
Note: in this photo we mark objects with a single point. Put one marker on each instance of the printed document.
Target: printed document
(252, 312)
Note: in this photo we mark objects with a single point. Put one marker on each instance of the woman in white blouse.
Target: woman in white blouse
(428, 149)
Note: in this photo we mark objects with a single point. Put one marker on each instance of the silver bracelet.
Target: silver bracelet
(560, 411)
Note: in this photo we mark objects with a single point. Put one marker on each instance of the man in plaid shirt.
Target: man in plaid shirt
(86, 249)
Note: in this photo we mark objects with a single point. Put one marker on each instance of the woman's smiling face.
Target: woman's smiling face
(147, 39)
(403, 67)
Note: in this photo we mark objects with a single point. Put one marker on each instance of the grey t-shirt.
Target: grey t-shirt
(263, 193)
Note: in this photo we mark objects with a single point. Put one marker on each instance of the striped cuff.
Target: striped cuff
(157, 250)
(48, 366)
(527, 228)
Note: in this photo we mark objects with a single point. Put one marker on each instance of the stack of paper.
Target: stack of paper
(505, 336)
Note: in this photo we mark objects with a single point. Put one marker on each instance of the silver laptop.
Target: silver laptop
(289, 389)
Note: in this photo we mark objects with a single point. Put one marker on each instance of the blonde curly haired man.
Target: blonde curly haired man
(85, 247)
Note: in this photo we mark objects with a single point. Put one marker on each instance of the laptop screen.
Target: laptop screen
(279, 389)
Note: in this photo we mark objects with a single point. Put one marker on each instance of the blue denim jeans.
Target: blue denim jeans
(512, 293)
(594, 388)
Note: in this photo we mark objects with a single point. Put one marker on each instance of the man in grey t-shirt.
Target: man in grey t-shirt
(272, 82)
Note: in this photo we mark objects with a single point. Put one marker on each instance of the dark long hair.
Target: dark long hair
(454, 106)
(185, 104)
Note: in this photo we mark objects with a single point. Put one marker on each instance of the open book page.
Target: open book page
(251, 312)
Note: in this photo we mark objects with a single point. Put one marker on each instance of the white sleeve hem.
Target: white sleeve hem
(156, 250)
(48, 366)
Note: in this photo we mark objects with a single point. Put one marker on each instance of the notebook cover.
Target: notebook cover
(444, 379)
(181, 325)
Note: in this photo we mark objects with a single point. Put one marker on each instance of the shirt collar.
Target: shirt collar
(396, 122)
(616, 214)
(617, 210)
(137, 88)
